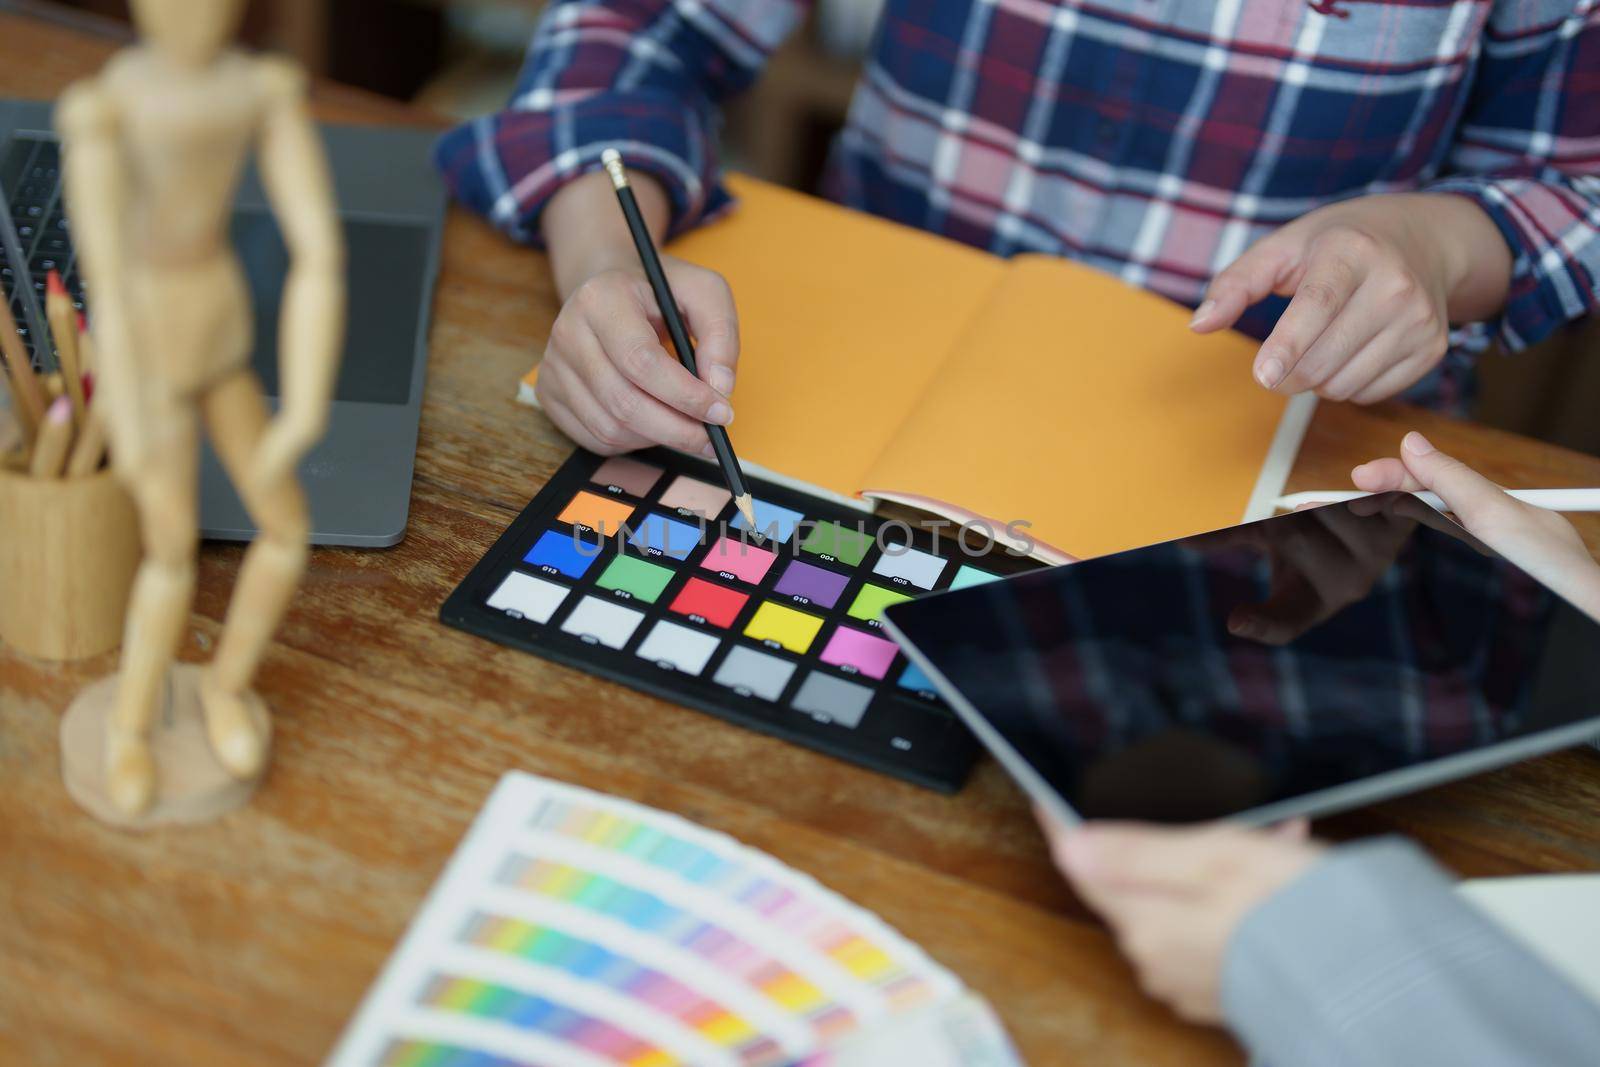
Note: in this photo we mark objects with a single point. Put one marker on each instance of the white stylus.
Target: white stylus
(1550, 499)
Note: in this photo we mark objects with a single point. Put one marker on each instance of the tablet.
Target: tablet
(1299, 665)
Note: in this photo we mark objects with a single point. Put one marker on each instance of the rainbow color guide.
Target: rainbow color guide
(572, 927)
(638, 569)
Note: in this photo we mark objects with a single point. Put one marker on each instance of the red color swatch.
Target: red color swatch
(716, 604)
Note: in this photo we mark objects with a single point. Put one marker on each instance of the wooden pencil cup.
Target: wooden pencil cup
(68, 551)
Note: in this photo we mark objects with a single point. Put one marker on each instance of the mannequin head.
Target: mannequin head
(190, 32)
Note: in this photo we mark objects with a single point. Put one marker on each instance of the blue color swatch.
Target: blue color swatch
(771, 520)
(675, 539)
(915, 680)
(559, 552)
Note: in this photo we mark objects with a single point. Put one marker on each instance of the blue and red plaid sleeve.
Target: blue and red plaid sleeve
(642, 76)
(1528, 151)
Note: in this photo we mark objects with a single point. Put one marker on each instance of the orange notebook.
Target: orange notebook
(1037, 395)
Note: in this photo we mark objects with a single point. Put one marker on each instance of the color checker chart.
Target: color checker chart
(639, 569)
(573, 928)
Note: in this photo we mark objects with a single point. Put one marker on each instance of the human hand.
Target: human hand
(1374, 283)
(1173, 897)
(610, 383)
(1540, 541)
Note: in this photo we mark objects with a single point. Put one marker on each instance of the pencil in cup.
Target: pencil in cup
(69, 548)
(64, 331)
(26, 388)
(12, 432)
(54, 441)
(651, 261)
(90, 451)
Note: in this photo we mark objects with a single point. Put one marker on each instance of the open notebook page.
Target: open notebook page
(844, 319)
(1087, 408)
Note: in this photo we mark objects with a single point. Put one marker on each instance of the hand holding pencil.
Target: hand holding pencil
(721, 447)
(608, 378)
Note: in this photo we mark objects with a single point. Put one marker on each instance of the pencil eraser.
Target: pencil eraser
(83, 323)
(52, 282)
(61, 410)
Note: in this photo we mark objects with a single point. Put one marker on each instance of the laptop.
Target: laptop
(1299, 665)
(358, 479)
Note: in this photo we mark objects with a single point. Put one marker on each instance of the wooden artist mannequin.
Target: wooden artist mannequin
(153, 150)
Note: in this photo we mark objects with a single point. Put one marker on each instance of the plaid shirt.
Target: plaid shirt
(1154, 139)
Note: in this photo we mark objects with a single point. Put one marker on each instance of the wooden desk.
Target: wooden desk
(250, 941)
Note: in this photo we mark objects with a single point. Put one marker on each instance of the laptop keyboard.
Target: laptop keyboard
(30, 171)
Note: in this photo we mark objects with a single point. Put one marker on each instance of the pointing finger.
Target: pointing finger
(1252, 277)
(1330, 281)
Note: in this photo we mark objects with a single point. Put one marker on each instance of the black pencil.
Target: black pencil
(680, 336)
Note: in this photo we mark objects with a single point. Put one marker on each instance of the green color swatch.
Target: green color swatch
(842, 543)
(644, 580)
(871, 601)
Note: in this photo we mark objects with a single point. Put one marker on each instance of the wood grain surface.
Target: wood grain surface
(250, 941)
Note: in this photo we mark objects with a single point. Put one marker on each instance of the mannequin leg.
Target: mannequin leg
(158, 610)
(236, 418)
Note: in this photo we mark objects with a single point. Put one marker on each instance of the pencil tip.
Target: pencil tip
(747, 509)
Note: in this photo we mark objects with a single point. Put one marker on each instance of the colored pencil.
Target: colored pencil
(11, 432)
(86, 352)
(26, 388)
(90, 451)
(55, 438)
(64, 330)
(1549, 499)
(720, 443)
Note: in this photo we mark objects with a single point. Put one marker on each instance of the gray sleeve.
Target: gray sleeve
(1371, 958)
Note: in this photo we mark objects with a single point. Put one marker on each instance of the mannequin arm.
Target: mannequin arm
(294, 170)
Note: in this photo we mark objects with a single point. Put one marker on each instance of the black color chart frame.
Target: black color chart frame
(908, 734)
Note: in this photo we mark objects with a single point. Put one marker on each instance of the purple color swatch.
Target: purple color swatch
(815, 584)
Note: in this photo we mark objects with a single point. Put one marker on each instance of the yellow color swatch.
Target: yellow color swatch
(654, 1057)
(794, 630)
(793, 992)
(725, 1028)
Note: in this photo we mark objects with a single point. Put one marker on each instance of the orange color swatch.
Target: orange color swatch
(599, 513)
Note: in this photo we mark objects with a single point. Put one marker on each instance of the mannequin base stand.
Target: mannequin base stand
(191, 786)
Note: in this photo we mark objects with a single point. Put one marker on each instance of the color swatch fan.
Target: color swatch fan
(576, 928)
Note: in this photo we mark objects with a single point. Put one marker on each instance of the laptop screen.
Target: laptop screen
(385, 263)
(386, 266)
(1275, 660)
